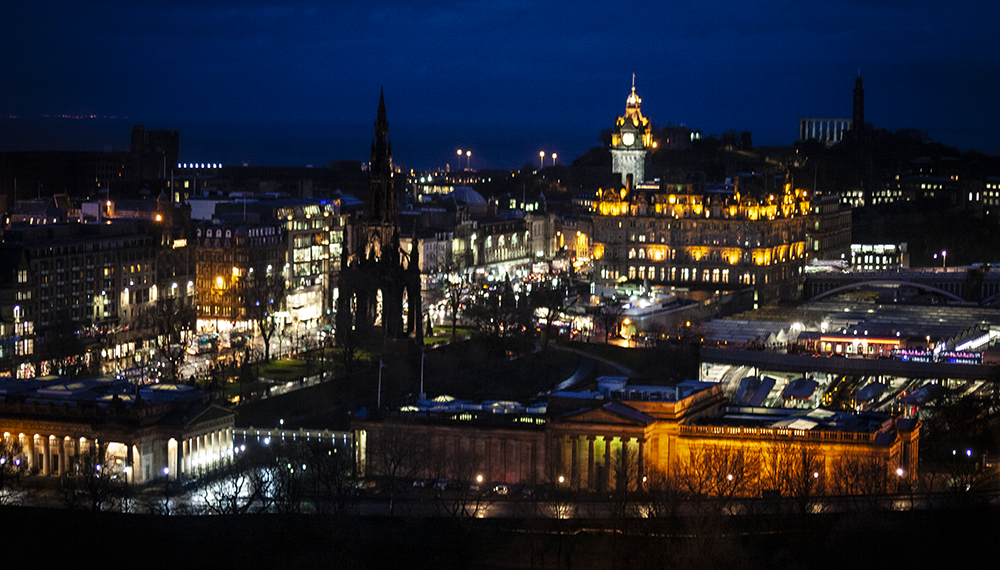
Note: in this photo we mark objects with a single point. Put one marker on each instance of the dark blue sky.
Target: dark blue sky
(296, 83)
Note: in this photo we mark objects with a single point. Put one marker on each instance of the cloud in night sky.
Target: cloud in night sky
(480, 66)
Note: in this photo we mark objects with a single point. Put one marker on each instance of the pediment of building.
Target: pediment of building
(609, 414)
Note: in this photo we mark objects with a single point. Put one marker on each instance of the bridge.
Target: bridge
(973, 284)
(800, 364)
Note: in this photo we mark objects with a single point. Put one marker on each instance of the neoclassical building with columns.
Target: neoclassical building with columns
(620, 433)
(55, 426)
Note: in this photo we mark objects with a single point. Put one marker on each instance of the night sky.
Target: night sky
(298, 83)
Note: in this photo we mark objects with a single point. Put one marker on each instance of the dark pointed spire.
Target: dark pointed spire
(381, 124)
(380, 202)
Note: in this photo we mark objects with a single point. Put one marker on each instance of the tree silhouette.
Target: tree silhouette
(11, 468)
(548, 299)
(170, 318)
(396, 453)
(609, 315)
(264, 295)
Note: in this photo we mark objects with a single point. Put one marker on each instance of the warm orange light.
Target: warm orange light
(859, 339)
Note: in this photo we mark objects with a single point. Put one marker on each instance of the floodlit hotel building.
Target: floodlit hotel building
(678, 236)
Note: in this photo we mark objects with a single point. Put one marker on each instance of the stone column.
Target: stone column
(27, 444)
(574, 474)
(558, 457)
(47, 456)
(129, 463)
(640, 460)
(195, 452)
(175, 469)
(63, 452)
(608, 461)
(590, 462)
(624, 458)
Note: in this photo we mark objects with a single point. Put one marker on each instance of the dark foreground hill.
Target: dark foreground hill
(53, 538)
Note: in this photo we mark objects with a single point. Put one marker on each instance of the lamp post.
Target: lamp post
(381, 365)
(468, 160)
(944, 258)
(554, 159)
(541, 159)
(423, 356)
(459, 165)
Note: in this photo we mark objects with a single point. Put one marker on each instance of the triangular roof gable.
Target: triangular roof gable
(610, 413)
(212, 412)
(199, 413)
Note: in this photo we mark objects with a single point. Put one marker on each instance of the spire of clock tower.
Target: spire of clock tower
(631, 137)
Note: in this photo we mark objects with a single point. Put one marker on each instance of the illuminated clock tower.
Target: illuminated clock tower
(630, 140)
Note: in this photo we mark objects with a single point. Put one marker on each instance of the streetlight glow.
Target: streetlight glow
(541, 159)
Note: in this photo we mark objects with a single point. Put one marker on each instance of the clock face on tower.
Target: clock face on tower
(628, 139)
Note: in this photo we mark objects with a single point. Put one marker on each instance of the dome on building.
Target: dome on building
(468, 195)
(473, 200)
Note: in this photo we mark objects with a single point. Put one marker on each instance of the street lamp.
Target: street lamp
(541, 159)
(944, 258)
(381, 365)
(459, 165)
(554, 159)
(468, 160)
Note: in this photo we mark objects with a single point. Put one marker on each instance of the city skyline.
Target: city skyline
(296, 83)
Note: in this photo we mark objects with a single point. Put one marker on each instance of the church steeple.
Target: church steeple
(381, 205)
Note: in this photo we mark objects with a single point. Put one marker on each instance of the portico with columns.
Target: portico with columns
(66, 440)
(827, 131)
(600, 449)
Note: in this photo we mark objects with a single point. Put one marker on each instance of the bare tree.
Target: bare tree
(966, 475)
(548, 302)
(863, 477)
(101, 483)
(734, 472)
(724, 471)
(170, 319)
(349, 343)
(239, 485)
(457, 497)
(608, 317)
(396, 453)
(694, 476)
(622, 497)
(331, 476)
(456, 296)
(11, 469)
(796, 471)
(264, 295)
